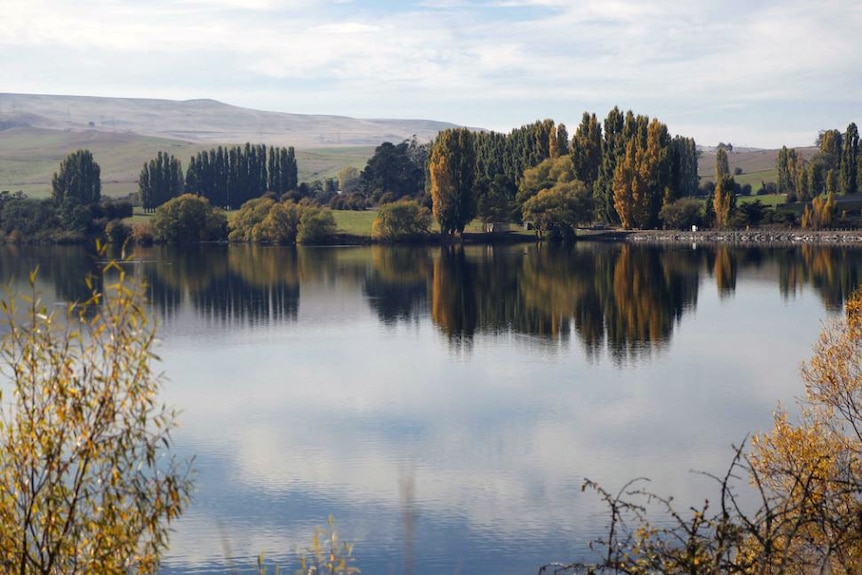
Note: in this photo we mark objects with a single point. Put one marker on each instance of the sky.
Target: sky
(761, 73)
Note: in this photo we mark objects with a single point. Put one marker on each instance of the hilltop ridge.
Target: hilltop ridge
(204, 121)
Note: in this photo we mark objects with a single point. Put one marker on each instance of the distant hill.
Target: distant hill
(38, 131)
(204, 121)
(757, 165)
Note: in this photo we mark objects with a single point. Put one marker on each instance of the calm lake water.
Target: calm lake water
(445, 406)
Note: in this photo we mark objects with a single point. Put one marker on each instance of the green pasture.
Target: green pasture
(30, 156)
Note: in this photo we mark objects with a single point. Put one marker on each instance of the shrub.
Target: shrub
(316, 225)
(142, 233)
(87, 484)
(188, 218)
(682, 214)
(401, 220)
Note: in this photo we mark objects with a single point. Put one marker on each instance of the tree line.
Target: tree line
(620, 172)
(834, 168)
(227, 177)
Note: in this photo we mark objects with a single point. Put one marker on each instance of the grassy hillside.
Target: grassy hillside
(30, 156)
(205, 121)
(757, 165)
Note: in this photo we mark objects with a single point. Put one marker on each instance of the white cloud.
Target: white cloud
(446, 59)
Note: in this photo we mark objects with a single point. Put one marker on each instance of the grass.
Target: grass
(29, 157)
(769, 200)
(356, 223)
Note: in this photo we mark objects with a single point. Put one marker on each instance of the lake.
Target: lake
(446, 405)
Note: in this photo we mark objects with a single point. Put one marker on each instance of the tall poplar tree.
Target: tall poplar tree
(725, 190)
(452, 168)
(587, 149)
(613, 148)
(161, 179)
(848, 177)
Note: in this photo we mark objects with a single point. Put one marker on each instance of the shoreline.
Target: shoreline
(761, 236)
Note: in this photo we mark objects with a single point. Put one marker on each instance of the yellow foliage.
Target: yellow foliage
(326, 556)
(813, 465)
(85, 486)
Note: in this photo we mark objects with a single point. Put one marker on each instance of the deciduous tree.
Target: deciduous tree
(452, 169)
(78, 179)
(87, 482)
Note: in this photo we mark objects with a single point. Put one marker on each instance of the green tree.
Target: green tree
(279, 225)
(544, 175)
(452, 168)
(722, 166)
(587, 149)
(683, 179)
(87, 483)
(681, 214)
(848, 174)
(316, 225)
(348, 179)
(404, 219)
(160, 180)
(613, 148)
(188, 218)
(79, 178)
(558, 210)
(391, 170)
(785, 165)
(494, 204)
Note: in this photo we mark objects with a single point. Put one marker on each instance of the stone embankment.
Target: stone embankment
(750, 237)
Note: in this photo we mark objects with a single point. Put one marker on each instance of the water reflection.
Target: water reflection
(324, 381)
(620, 299)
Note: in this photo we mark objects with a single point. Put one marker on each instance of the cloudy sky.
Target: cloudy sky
(751, 72)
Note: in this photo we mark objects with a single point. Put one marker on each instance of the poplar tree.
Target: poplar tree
(848, 174)
(78, 179)
(452, 170)
(613, 148)
(725, 189)
(161, 179)
(587, 149)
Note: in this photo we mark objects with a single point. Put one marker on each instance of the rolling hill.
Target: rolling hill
(38, 131)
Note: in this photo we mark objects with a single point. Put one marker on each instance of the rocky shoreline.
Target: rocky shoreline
(749, 236)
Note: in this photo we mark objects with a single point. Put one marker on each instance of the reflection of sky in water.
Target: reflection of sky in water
(334, 412)
(476, 452)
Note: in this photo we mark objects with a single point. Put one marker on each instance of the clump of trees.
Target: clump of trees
(395, 171)
(630, 169)
(266, 220)
(87, 480)
(227, 177)
(188, 218)
(74, 212)
(833, 168)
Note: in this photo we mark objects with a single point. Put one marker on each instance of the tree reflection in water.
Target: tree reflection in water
(620, 299)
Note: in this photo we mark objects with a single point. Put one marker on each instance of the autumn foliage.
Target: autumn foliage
(804, 478)
(87, 483)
